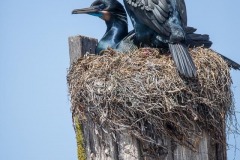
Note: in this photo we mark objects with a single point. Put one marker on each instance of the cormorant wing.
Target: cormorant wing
(127, 45)
(155, 13)
(181, 7)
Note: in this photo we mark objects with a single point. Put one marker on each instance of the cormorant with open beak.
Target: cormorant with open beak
(161, 22)
(115, 17)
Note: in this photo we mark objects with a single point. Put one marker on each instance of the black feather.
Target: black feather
(183, 60)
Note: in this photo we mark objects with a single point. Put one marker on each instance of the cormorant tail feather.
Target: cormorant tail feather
(183, 60)
(230, 62)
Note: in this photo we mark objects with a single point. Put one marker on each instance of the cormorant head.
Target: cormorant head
(105, 9)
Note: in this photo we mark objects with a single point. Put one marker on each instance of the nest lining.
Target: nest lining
(143, 93)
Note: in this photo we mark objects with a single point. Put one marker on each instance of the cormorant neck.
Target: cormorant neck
(117, 29)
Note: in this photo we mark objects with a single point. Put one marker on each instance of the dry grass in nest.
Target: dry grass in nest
(143, 93)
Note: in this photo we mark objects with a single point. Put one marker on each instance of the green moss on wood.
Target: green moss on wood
(80, 140)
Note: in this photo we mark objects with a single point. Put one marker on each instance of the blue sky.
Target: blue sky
(35, 117)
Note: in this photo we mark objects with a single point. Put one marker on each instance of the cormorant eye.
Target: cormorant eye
(102, 6)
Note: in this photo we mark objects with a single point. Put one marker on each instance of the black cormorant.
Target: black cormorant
(114, 14)
(161, 22)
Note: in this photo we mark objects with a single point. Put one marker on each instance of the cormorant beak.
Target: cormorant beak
(93, 10)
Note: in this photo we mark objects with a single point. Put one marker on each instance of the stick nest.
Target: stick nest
(142, 93)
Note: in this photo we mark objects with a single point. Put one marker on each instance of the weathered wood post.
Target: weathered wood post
(101, 144)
